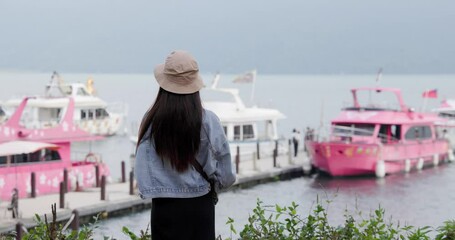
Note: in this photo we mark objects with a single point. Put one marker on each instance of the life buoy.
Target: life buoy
(91, 157)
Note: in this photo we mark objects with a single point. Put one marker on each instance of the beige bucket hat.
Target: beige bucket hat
(179, 74)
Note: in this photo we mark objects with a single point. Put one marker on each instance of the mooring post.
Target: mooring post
(257, 150)
(123, 172)
(62, 195)
(19, 231)
(131, 183)
(33, 185)
(103, 188)
(97, 176)
(237, 160)
(275, 153)
(290, 152)
(76, 221)
(65, 180)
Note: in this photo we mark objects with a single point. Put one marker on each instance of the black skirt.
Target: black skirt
(183, 218)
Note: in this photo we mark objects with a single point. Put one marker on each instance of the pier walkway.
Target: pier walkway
(118, 201)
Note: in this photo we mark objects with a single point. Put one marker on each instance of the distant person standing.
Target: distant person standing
(182, 156)
(14, 205)
(295, 140)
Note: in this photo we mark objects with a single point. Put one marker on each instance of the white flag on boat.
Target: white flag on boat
(247, 77)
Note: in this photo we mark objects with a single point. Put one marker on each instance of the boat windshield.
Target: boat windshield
(349, 129)
(376, 101)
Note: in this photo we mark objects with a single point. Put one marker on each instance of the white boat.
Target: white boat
(3, 116)
(447, 111)
(91, 113)
(245, 127)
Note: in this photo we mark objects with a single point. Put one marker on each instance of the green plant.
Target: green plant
(55, 231)
(277, 222)
(144, 235)
(447, 231)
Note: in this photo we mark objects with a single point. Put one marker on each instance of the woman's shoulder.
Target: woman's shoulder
(209, 116)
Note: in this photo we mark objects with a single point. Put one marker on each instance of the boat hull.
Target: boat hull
(47, 177)
(350, 159)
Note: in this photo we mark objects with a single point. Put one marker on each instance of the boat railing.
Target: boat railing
(38, 124)
(347, 133)
(379, 106)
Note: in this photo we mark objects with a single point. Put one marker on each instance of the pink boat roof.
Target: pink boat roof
(23, 147)
(359, 114)
(65, 131)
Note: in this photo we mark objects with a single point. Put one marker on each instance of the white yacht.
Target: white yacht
(447, 111)
(91, 113)
(245, 127)
(3, 116)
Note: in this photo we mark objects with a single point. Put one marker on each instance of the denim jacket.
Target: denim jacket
(158, 179)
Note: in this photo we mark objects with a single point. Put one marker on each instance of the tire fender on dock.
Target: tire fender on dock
(380, 169)
(419, 164)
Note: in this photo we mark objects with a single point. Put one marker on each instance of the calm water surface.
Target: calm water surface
(419, 198)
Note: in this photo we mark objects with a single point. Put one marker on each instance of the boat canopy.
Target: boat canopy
(23, 147)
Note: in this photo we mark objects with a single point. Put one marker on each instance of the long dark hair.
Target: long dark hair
(176, 121)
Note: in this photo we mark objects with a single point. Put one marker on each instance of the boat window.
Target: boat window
(248, 132)
(447, 114)
(389, 133)
(82, 92)
(90, 114)
(66, 89)
(418, 132)
(237, 132)
(48, 114)
(2, 113)
(20, 158)
(359, 129)
(101, 113)
(3, 160)
(426, 132)
(51, 155)
(83, 114)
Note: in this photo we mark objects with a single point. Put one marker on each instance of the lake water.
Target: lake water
(418, 198)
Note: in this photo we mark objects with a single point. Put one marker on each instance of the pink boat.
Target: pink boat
(46, 152)
(379, 139)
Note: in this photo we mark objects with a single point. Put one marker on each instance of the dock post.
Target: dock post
(19, 231)
(33, 185)
(103, 188)
(255, 166)
(131, 183)
(97, 175)
(257, 150)
(274, 158)
(62, 195)
(275, 153)
(290, 152)
(123, 172)
(65, 180)
(237, 160)
(76, 221)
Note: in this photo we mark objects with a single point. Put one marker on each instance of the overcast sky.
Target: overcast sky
(231, 36)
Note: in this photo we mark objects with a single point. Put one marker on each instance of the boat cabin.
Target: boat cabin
(259, 130)
(17, 153)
